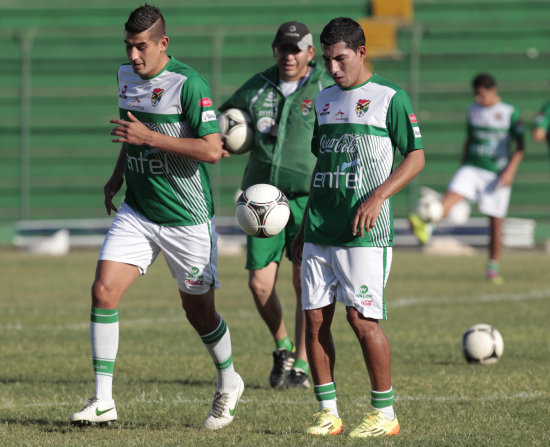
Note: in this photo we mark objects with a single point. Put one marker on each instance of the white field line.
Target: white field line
(484, 298)
(179, 400)
(392, 303)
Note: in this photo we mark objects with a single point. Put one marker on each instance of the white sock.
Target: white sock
(331, 405)
(104, 341)
(218, 344)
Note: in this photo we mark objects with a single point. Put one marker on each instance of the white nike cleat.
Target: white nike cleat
(224, 406)
(96, 411)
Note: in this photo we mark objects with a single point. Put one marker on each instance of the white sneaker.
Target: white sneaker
(96, 411)
(224, 406)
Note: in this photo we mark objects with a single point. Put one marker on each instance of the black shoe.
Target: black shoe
(297, 379)
(282, 363)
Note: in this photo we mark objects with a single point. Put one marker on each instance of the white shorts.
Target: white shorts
(480, 185)
(356, 276)
(191, 252)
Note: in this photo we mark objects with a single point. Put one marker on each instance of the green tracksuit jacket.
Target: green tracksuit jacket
(283, 127)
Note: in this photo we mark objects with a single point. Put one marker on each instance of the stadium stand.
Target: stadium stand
(75, 47)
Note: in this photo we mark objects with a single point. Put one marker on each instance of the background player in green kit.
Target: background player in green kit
(168, 129)
(541, 130)
(280, 102)
(345, 242)
(488, 169)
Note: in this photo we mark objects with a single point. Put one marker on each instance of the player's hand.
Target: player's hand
(131, 132)
(110, 189)
(506, 178)
(366, 216)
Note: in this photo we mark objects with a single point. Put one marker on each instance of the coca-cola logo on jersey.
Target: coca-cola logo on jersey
(346, 143)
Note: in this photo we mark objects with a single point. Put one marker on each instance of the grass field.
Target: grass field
(164, 378)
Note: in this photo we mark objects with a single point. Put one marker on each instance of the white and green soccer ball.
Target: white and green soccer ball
(482, 344)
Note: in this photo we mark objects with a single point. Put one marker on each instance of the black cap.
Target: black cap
(293, 33)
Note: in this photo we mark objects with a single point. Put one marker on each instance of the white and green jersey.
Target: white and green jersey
(490, 131)
(167, 188)
(356, 134)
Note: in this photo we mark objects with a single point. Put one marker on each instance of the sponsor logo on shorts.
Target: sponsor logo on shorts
(194, 278)
(364, 295)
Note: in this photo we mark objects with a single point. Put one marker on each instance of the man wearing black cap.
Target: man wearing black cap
(279, 101)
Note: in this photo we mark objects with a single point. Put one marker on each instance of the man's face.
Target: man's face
(146, 56)
(486, 96)
(292, 62)
(345, 65)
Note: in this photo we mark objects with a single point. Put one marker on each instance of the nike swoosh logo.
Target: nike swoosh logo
(349, 165)
(232, 410)
(99, 413)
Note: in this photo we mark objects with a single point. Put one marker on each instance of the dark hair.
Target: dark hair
(343, 29)
(143, 18)
(484, 80)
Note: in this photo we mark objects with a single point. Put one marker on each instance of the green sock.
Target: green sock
(285, 343)
(492, 265)
(301, 365)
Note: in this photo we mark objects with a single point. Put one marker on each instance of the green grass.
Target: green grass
(164, 379)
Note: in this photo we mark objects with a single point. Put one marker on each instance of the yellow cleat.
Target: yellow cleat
(422, 230)
(375, 424)
(325, 424)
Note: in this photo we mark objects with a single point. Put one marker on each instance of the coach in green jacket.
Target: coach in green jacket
(280, 102)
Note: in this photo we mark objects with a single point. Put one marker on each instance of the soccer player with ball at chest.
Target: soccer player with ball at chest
(345, 241)
(279, 105)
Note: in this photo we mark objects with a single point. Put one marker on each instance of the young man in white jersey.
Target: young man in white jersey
(345, 242)
(168, 130)
(487, 170)
(279, 101)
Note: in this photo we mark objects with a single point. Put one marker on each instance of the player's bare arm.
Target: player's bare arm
(368, 211)
(539, 134)
(298, 242)
(507, 176)
(132, 131)
(115, 182)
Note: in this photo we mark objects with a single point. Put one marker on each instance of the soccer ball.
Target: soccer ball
(236, 130)
(262, 210)
(482, 344)
(429, 208)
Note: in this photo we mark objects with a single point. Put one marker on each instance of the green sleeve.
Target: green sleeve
(542, 119)
(516, 125)
(198, 109)
(402, 124)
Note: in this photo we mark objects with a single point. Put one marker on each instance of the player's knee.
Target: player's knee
(258, 287)
(102, 295)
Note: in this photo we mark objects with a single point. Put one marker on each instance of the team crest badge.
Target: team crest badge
(156, 96)
(306, 106)
(362, 107)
